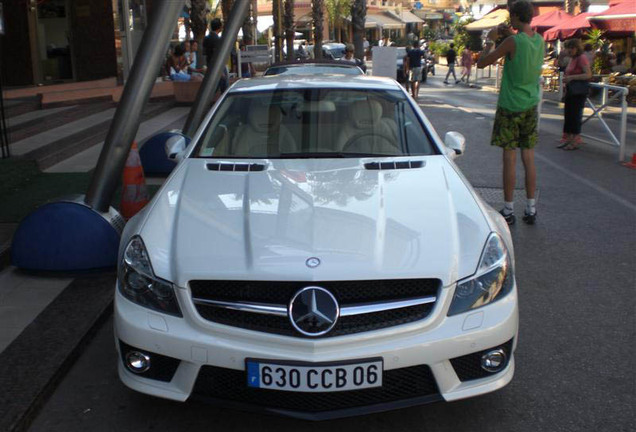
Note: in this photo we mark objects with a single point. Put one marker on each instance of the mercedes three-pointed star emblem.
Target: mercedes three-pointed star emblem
(313, 311)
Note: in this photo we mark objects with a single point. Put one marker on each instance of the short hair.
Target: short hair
(452, 45)
(216, 24)
(574, 44)
(179, 50)
(523, 10)
(588, 47)
(416, 44)
(349, 48)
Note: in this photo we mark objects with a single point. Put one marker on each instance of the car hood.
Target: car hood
(360, 223)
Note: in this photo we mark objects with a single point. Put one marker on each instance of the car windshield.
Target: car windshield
(314, 69)
(314, 123)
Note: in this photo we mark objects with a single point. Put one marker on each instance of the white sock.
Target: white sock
(509, 207)
(531, 206)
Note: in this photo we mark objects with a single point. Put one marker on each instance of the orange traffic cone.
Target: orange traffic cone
(134, 194)
(631, 164)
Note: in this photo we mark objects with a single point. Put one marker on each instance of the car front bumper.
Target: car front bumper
(202, 349)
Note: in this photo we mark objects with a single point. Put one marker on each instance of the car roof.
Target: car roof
(277, 82)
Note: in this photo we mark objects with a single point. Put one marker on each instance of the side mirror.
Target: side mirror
(455, 142)
(175, 146)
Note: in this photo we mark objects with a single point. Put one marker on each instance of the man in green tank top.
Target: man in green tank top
(516, 117)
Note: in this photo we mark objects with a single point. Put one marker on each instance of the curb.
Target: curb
(56, 338)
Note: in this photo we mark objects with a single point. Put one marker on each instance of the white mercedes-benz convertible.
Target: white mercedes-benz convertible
(316, 253)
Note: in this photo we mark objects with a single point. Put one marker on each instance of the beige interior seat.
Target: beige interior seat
(251, 139)
(367, 131)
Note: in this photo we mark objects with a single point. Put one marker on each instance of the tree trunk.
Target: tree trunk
(226, 8)
(199, 24)
(317, 12)
(290, 28)
(358, 18)
(277, 14)
(249, 26)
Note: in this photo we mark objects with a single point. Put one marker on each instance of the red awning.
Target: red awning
(618, 19)
(546, 21)
(573, 27)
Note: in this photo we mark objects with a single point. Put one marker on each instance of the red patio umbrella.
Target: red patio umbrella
(546, 21)
(574, 27)
(618, 20)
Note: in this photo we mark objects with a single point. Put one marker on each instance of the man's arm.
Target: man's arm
(488, 57)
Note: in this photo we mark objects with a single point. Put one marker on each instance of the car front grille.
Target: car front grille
(345, 292)
(397, 384)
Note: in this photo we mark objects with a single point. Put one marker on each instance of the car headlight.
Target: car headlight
(138, 283)
(493, 280)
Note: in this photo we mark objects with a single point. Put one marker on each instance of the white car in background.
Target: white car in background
(316, 253)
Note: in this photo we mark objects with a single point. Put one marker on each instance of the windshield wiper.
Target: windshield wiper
(328, 155)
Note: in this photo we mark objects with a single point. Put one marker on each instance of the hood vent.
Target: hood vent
(235, 167)
(395, 165)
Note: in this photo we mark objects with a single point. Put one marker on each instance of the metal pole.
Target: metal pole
(213, 74)
(623, 133)
(151, 54)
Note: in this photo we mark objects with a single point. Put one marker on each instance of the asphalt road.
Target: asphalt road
(577, 280)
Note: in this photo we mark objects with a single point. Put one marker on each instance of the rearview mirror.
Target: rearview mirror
(175, 147)
(455, 142)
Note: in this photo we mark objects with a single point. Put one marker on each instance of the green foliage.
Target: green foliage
(596, 38)
(439, 48)
(463, 38)
(337, 10)
(428, 34)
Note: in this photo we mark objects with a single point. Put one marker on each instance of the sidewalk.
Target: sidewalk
(48, 316)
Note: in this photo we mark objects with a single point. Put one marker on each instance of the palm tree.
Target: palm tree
(249, 25)
(317, 7)
(336, 10)
(226, 8)
(278, 26)
(290, 28)
(358, 18)
(198, 22)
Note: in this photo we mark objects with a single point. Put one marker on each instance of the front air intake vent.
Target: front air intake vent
(235, 167)
(394, 165)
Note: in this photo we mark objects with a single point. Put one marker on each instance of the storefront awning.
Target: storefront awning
(546, 21)
(408, 17)
(492, 20)
(385, 21)
(619, 18)
(574, 27)
(428, 15)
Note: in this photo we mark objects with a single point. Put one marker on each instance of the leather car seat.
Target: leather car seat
(252, 138)
(366, 121)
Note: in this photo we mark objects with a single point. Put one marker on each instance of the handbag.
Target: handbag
(578, 88)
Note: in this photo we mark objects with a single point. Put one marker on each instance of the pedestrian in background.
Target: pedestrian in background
(467, 63)
(211, 46)
(451, 59)
(413, 67)
(576, 80)
(516, 116)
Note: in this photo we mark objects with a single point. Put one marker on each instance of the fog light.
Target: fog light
(494, 361)
(137, 362)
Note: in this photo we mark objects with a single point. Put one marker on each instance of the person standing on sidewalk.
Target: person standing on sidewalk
(212, 46)
(577, 75)
(451, 59)
(516, 117)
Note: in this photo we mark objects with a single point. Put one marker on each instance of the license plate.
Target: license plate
(319, 377)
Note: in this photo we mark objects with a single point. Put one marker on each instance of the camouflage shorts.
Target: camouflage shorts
(515, 129)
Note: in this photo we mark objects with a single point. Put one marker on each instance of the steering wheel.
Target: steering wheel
(358, 144)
